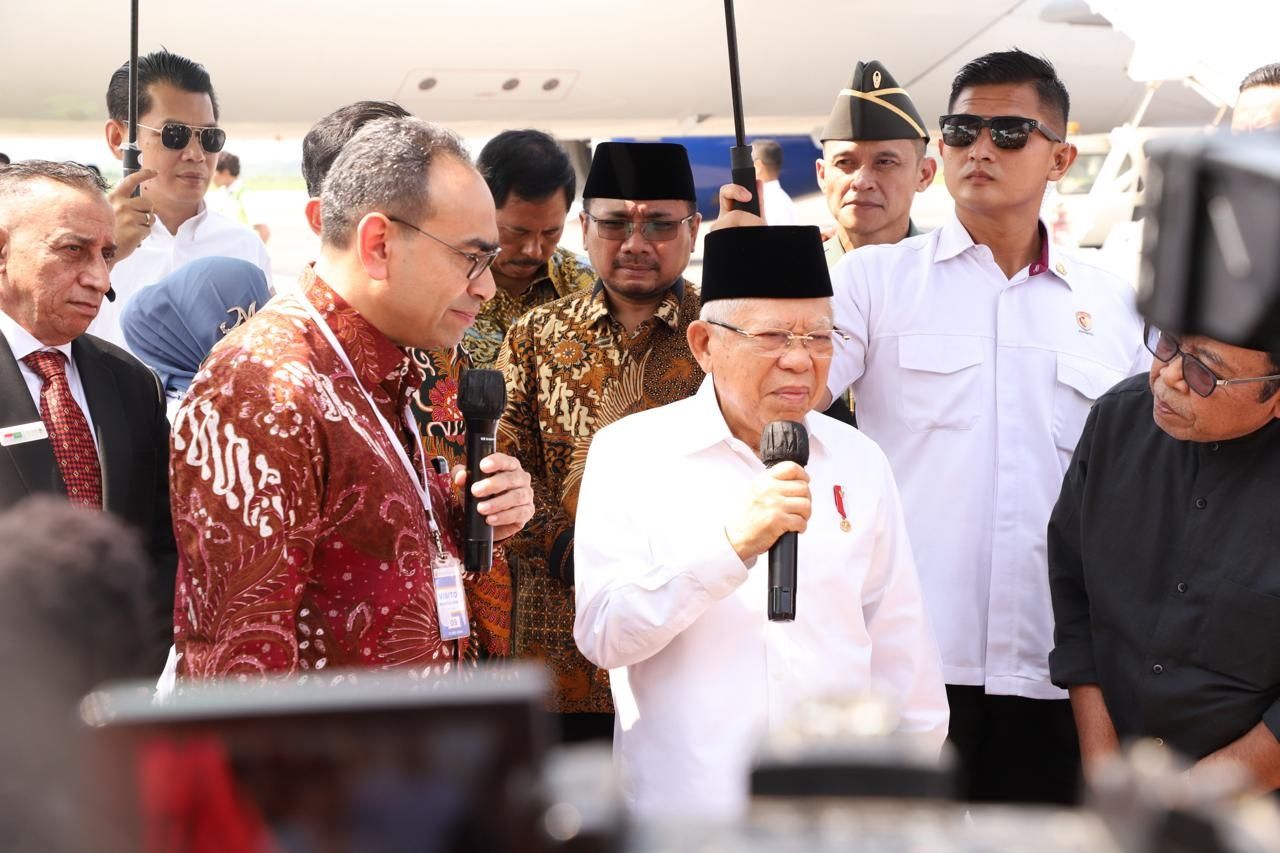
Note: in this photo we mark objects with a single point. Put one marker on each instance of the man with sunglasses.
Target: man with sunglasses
(976, 351)
(1162, 560)
(311, 532)
(579, 363)
(168, 224)
(677, 516)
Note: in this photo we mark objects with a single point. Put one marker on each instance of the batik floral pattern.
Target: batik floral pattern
(566, 273)
(303, 544)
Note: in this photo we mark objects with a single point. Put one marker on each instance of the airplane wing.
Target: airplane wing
(580, 68)
(1212, 46)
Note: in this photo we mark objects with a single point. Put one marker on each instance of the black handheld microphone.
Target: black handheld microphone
(783, 441)
(482, 395)
(111, 294)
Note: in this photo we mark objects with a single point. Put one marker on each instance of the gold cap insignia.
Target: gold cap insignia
(875, 79)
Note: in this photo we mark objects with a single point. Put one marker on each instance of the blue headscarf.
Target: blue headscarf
(172, 325)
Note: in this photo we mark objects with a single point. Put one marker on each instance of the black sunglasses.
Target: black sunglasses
(176, 137)
(1199, 377)
(1008, 132)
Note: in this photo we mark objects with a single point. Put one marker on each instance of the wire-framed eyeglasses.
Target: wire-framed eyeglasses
(1199, 377)
(480, 261)
(772, 343)
(655, 230)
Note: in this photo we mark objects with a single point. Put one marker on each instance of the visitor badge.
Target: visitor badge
(451, 601)
(22, 433)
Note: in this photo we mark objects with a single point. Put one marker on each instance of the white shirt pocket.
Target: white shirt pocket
(939, 381)
(1080, 382)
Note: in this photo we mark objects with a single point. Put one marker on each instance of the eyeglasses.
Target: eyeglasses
(480, 261)
(1200, 378)
(772, 343)
(1008, 132)
(176, 137)
(654, 230)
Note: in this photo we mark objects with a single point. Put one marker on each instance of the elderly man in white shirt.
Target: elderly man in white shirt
(676, 512)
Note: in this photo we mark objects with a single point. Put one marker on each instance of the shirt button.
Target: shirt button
(1201, 503)
(1182, 587)
(1214, 447)
(1159, 741)
(1157, 669)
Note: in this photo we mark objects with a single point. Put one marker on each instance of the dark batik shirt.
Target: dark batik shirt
(441, 426)
(1164, 567)
(565, 273)
(571, 370)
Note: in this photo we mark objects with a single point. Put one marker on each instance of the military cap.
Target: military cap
(874, 106)
(640, 171)
(765, 262)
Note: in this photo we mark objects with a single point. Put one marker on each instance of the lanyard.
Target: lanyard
(419, 484)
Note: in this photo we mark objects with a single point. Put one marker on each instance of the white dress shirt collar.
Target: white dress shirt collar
(954, 239)
(708, 428)
(188, 230)
(22, 342)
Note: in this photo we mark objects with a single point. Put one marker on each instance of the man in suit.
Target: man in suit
(79, 417)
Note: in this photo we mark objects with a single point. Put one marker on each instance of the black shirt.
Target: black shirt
(1164, 567)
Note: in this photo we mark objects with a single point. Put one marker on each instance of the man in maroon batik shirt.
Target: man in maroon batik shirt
(311, 534)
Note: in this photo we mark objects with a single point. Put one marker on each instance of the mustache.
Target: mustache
(634, 261)
(1161, 395)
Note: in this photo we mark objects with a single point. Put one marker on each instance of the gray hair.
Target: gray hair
(721, 310)
(15, 177)
(725, 310)
(384, 167)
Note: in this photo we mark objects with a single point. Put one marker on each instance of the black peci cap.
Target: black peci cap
(766, 262)
(640, 171)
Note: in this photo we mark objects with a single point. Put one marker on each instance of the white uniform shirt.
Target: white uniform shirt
(23, 343)
(207, 234)
(699, 674)
(779, 209)
(977, 387)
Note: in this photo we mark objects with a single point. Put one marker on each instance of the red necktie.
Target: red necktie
(68, 430)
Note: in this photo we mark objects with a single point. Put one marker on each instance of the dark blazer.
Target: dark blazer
(128, 412)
